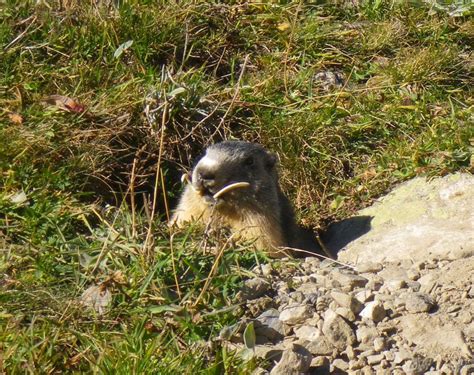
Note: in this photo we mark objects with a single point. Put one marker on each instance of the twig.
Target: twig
(21, 35)
(237, 90)
(157, 175)
(132, 197)
(212, 271)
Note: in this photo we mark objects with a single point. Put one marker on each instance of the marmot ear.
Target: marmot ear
(271, 161)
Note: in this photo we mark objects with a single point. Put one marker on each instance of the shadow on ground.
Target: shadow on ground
(341, 233)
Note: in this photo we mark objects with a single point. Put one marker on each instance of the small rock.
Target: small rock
(347, 280)
(307, 333)
(375, 283)
(389, 356)
(321, 280)
(465, 317)
(374, 311)
(340, 364)
(401, 356)
(266, 269)
(297, 296)
(470, 293)
(414, 285)
(413, 274)
(350, 352)
(308, 287)
(394, 285)
(97, 297)
(366, 335)
(254, 288)
(319, 347)
(269, 326)
(348, 301)
(295, 360)
(419, 302)
(346, 314)
(338, 332)
(417, 366)
(295, 314)
(320, 363)
(375, 359)
(258, 305)
(379, 344)
(322, 303)
(369, 267)
(420, 265)
(356, 364)
(282, 287)
(366, 353)
(268, 352)
(328, 80)
(364, 295)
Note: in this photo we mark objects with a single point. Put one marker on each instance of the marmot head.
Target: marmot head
(235, 161)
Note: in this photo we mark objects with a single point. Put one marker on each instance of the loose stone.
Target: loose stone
(295, 360)
(348, 281)
(373, 311)
(419, 302)
(338, 332)
(295, 314)
(369, 267)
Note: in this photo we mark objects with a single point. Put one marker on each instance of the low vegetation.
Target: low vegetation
(104, 104)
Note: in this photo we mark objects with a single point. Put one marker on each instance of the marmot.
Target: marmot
(257, 210)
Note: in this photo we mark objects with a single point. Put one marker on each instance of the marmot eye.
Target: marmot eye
(249, 161)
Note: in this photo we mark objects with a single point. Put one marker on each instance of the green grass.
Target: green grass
(207, 72)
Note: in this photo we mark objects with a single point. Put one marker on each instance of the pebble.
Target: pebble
(394, 285)
(348, 281)
(364, 295)
(336, 329)
(348, 301)
(375, 359)
(254, 288)
(366, 335)
(319, 346)
(401, 356)
(295, 314)
(340, 364)
(320, 363)
(346, 313)
(307, 333)
(294, 360)
(374, 311)
(413, 274)
(379, 344)
(419, 302)
(269, 326)
(369, 267)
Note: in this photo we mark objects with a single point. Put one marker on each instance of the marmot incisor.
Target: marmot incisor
(259, 211)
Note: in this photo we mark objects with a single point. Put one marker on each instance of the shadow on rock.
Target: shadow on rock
(343, 232)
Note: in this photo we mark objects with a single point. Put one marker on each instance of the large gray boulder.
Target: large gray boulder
(419, 220)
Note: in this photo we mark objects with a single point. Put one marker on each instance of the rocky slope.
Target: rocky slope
(400, 300)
